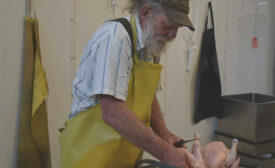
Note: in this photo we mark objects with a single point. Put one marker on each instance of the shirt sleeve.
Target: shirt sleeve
(106, 70)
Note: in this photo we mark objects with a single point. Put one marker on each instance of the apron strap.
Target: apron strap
(211, 14)
(132, 31)
(126, 24)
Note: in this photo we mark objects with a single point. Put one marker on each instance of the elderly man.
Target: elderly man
(114, 92)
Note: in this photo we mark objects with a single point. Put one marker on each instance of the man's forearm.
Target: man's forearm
(157, 121)
(116, 114)
(125, 122)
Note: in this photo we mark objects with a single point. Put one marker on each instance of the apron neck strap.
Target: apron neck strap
(134, 29)
(211, 14)
(126, 24)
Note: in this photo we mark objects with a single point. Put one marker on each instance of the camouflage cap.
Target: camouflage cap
(177, 11)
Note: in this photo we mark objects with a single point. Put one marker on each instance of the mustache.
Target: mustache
(163, 39)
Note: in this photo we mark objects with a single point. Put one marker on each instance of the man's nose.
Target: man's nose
(172, 33)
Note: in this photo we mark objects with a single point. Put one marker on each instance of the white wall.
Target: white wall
(249, 69)
(11, 55)
(57, 47)
(57, 39)
(66, 26)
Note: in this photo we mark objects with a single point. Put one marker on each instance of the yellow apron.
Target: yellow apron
(87, 142)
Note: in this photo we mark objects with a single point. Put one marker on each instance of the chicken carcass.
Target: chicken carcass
(214, 155)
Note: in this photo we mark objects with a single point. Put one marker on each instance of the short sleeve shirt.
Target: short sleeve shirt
(105, 66)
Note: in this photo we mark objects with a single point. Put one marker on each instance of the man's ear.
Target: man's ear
(144, 12)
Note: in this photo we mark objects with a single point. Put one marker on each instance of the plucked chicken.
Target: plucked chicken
(214, 155)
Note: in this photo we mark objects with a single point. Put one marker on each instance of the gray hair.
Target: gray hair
(136, 5)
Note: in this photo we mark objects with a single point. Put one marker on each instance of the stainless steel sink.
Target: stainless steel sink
(250, 117)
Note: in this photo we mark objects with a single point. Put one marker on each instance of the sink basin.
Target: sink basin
(250, 117)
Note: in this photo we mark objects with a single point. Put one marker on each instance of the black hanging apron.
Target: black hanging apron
(208, 84)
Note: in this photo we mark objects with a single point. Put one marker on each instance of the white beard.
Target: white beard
(154, 45)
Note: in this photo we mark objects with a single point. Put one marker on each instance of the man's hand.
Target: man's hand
(171, 138)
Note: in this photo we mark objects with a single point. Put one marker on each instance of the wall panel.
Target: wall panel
(11, 55)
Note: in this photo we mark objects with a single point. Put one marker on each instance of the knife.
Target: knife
(180, 143)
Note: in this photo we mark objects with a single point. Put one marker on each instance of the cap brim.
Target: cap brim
(178, 17)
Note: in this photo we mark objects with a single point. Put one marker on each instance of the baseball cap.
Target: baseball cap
(177, 11)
